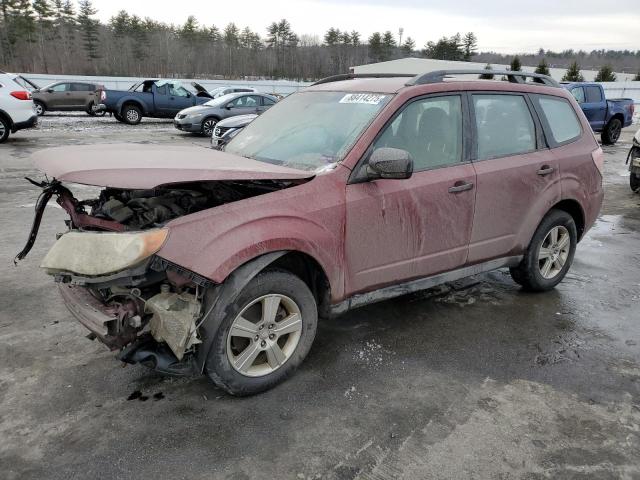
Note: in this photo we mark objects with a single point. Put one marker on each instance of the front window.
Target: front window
(309, 130)
(578, 94)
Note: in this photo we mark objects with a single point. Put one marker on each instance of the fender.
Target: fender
(215, 258)
(133, 100)
(7, 116)
(221, 297)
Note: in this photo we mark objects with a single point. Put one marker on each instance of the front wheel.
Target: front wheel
(207, 126)
(39, 108)
(634, 182)
(265, 335)
(550, 253)
(611, 132)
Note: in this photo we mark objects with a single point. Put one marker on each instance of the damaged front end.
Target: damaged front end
(112, 279)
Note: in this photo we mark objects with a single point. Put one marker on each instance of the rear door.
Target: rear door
(80, 93)
(594, 106)
(397, 230)
(517, 175)
(246, 104)
(265, 104)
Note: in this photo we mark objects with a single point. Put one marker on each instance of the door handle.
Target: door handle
(545, 170)
(460, 187)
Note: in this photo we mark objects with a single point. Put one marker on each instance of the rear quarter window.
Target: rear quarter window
(560, 119)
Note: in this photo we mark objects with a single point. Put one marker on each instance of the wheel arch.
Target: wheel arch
(6, 117)
(573, 208)
(130, 101)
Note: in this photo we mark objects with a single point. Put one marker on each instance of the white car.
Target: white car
(220, 91)
(16, 107)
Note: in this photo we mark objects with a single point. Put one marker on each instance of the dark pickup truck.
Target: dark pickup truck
(149, 98)
(608, 116)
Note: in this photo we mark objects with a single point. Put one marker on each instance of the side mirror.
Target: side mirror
(390, 163)
(188, 95)
(49, 90)
(229, 106)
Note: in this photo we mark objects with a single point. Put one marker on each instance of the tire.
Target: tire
(538, 274)
(634, 182)
(5, 129)
(611, 132)
(131, 114)
(39, 108)
(268, 361)
(208, 124)
(118, 117)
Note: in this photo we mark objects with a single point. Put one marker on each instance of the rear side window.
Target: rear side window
(80, 87)
(561, 120)
(504, 125)
(593, 94)
(430, 130)
(268, 101)
(578, 94)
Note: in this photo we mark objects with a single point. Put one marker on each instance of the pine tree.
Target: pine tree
(469, 45)
(408, 47)
(516, 66)
(542, 68)
(375, 46)
(89, 28)
(487, 76)
(388, 45)
(605, 74)
(573, 74)
(44, 21)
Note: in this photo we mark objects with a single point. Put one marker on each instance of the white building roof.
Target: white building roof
(424, 65)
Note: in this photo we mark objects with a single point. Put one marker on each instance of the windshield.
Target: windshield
(308, 130)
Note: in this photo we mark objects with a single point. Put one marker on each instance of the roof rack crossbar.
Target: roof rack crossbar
(349, 76)
(438, 76)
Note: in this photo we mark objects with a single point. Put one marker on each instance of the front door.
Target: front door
(397, 230)
(517, 176)
(59, 96)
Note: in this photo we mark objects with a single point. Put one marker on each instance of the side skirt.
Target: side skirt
(362, 299)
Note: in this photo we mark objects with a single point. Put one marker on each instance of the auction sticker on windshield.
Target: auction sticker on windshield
(366, 98)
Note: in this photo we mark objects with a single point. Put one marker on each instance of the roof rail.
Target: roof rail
(349, 76)
(513, 76)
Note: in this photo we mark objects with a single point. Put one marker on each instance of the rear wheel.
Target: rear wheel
(611, 132)
(266, 334)
(4, 129)
(39, 108)
(634, 182)
(131, 114)
(208, 124)
(550, 253)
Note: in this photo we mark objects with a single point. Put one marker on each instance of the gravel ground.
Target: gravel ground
(474, 379)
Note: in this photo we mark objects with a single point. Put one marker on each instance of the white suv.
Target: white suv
(16, 107)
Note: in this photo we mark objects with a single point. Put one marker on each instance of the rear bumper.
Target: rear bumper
(99, 108)
(32, 122)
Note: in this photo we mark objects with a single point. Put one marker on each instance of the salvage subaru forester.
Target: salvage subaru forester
(355, 190)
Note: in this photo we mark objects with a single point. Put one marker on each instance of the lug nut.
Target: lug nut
(256, 338)
(261, 327)
(270, 325)
(272, 336)
(263, 343)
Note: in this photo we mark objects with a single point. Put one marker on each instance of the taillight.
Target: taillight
(103, 96)
(21, 95)
(598, 158)
(632, 109)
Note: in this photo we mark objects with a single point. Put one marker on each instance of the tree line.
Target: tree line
(65, 37)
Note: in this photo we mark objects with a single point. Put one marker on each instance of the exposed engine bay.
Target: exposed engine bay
(146, 307)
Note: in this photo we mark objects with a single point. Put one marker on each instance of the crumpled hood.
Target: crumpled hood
(139, 166)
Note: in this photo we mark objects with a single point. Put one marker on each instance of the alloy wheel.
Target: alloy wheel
(208, 126)
(38, 109)
(132, 115)
(614, 131)
(554, 252)
(264, 335)
(2, 130)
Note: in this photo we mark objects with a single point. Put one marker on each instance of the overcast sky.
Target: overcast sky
(501, 25)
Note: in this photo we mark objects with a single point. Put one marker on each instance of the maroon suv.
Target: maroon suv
(352, 191)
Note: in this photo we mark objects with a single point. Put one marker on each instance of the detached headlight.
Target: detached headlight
(98, 253)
